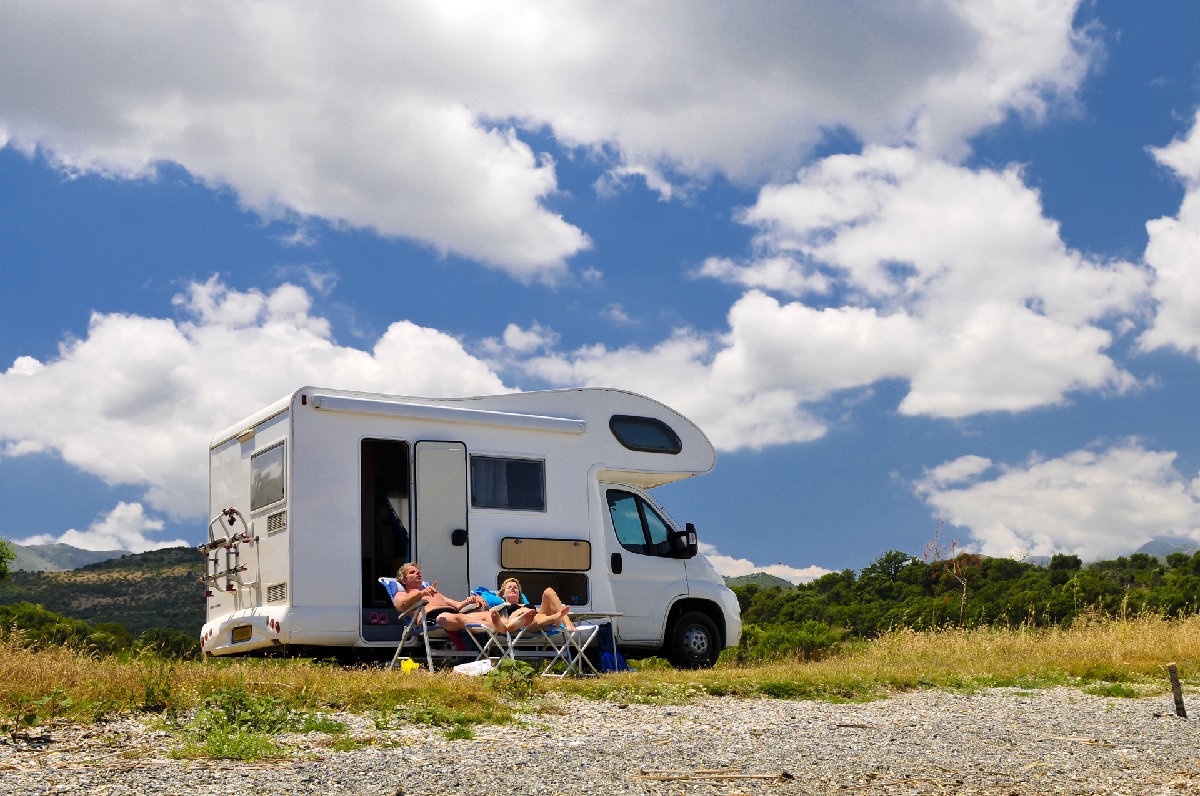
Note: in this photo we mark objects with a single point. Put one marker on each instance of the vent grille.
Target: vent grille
(276, 522)
(277, 592)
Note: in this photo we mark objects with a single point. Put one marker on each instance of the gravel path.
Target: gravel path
(1003, 741)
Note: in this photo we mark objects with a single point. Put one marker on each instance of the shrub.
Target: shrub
(808, 641)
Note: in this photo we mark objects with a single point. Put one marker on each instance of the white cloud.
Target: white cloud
(1174, 253)
(730, 567)
(1096, 504)
(949, 278)
(779, 274)
(403, 118)
(137, 400)
(616, 313)
(905, 268)
(126, 527)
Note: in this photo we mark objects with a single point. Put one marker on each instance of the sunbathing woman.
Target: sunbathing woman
(550, 612)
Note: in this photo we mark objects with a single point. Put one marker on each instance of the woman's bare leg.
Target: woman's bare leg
(553, 612)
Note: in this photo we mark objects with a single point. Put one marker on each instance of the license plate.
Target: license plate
(242, 633)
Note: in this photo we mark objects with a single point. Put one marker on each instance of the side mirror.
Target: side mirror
(683, 543)
(693, 546)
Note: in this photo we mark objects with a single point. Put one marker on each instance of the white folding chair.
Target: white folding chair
(420, 634)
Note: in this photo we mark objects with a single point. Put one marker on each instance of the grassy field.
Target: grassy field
(1111, 657)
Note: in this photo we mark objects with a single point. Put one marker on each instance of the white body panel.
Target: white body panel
(368, 479)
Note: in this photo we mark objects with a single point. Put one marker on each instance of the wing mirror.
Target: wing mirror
(683, 543)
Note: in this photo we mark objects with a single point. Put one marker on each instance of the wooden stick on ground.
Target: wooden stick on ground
(1176, 690)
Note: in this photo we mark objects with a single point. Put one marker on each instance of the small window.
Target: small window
(498, 483)
(644, 434)
(266, 477)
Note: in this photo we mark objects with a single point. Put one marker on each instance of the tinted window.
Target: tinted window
(644, 434)
(266, 477)
(627, 521)
(638, 526)
(508, 483)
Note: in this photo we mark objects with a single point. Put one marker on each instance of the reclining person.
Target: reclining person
(520, 615)
(449, 614)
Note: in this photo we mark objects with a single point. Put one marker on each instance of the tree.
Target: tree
(947, 559)
(7, 555)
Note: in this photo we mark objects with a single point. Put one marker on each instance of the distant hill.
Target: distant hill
(761, 579)
(57, 557)
(158, 588)
(1163, 546)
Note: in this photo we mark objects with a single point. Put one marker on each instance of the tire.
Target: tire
(694, 642)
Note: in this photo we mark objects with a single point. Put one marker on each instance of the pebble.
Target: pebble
(1006, 742)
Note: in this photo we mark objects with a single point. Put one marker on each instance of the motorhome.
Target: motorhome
(318, 495)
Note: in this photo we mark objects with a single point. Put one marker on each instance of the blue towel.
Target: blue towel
(494, 599)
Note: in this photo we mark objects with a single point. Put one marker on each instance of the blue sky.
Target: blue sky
(905, 263)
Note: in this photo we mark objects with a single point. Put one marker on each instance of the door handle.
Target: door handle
(616, 564)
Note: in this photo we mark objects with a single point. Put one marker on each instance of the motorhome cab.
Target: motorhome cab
(318, 495)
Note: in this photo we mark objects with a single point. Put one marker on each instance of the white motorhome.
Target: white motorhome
(321, 493)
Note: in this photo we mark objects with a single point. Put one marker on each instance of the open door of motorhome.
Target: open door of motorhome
(440, 533)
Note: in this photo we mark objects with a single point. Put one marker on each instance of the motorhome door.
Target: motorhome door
(645, 578)
(440, 506)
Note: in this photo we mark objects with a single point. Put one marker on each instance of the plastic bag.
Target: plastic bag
(474, 668)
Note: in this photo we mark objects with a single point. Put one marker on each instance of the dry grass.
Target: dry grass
(1133, 652)
(1094, 650)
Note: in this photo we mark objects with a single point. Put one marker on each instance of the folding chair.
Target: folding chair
(420, 633)
(550, 646)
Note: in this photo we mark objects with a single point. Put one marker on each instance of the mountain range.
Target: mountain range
(58, 557)
(158, 588)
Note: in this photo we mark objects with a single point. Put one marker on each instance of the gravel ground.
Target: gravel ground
(1003, 741)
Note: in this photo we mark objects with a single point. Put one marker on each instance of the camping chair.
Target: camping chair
(554, 645)
(548, 646)
(421, 634)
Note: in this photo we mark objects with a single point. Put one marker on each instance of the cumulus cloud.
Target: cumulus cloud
(1174, 253)
(1092, 503)
(731, 567)
(914, 268)
(136, 401)
(406, 119)
(126, 527)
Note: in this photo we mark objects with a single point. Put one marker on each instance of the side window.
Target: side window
(656, 529)
(627, 521)
(498, 483)
(266, 477)
(638, 526)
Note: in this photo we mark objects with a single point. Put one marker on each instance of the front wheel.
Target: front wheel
(693, 642)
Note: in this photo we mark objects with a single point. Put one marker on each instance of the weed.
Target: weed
(512, 678)
(348, 744)
(230, 744)
(311, 723)
(27, 712)
(1119, 690)
(460, 732)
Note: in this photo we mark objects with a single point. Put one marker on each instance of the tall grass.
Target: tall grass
(1097, 650)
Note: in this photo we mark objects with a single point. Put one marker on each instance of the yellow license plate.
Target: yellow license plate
(242, 633)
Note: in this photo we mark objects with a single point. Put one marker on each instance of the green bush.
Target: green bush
(808, 641)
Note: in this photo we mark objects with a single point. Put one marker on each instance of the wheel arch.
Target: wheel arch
(689, 604)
